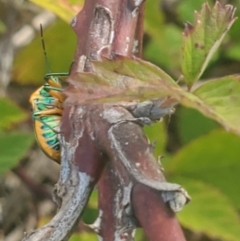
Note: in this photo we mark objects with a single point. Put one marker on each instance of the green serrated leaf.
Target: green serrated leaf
(64, 9)
(13, 147)
(108, 85)
(203, 38)
(151, 74)
(222, 96)
(126, 79)
(10, 114)
(214, 159)
(210, 211)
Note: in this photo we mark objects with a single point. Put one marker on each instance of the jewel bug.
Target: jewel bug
(47, 105)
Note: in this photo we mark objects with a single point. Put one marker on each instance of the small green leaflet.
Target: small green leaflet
(201, 39)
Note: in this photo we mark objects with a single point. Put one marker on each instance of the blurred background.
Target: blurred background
(198, 153)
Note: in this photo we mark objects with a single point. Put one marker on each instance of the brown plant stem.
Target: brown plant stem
(158, 221)
(106, 141)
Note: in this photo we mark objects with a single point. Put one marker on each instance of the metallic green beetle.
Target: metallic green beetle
(47, 106)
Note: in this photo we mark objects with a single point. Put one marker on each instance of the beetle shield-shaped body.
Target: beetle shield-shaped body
(47, 106)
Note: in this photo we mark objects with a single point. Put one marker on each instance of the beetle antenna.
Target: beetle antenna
(44, 50)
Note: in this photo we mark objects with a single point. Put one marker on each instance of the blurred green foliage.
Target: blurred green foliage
(210, 212)
(66, 10)
(14, 147)
(31, 70)
(189, 129)
(10, 114)
(207, 163)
